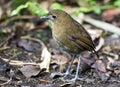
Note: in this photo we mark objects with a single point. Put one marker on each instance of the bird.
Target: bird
(69, 35)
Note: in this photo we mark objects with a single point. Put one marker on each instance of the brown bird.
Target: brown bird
(70, 36)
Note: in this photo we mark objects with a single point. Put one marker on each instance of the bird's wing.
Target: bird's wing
(81, 38)
(81, 43)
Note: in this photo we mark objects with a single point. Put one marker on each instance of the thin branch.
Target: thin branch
(103, 25)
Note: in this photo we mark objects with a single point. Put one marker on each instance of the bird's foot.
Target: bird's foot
(67, 74)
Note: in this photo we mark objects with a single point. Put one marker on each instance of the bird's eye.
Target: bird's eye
(53, 16)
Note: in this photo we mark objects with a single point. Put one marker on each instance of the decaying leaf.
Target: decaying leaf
(99, 65)
(113, 42)
(61, 61)
(46, 57)
(30, 70)
(25, 44)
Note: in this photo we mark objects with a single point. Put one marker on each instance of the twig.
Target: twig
(18, 63)
(4, 47)
(103, 25)
(34, 39)
(7, 81)
(10, 36)
(3, 61)
(116, 56)
(101, 43)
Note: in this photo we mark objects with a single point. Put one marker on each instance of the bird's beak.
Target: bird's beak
(47, 17)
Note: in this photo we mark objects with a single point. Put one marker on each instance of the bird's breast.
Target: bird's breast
(61, 38)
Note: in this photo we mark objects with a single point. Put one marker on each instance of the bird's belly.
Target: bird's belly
(67, 45)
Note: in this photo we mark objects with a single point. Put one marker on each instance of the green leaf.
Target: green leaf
(33, 7)
(117, 3)
(81, 9)
(57, 6)
(97, 9)
(92, 2)
(18, 9)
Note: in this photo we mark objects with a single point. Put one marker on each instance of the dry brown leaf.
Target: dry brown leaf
(25, 44)
(113, 42)
(100, 45)
(46, 57)
(44, 81)
(30, 70)
(99, 65)
(96, 33)
(61, 61)
(117, 72)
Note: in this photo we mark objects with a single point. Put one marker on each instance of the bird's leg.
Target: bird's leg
(77, 70)
(69, 67)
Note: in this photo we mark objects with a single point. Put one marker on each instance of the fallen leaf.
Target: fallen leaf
(30, 70)
(56, 75)
(117, 72)
(60, 60)
(112, 63)
(113, 85)
(96, 33)
(104, 76)
(99, 65)
(46, 57)
(100, 45)
(113, 42)
(25, 44)
(88, 61)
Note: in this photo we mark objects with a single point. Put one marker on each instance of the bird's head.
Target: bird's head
(57, 16)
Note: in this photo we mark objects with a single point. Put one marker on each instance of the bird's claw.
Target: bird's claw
(66, 74)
